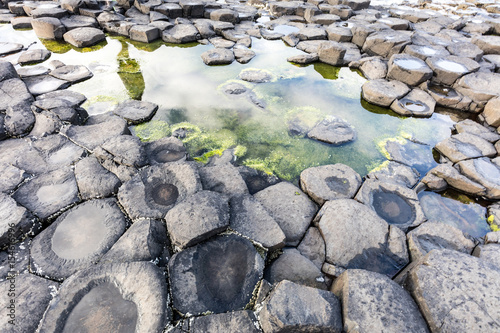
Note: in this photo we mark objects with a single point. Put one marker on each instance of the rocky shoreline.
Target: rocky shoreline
(101, 232)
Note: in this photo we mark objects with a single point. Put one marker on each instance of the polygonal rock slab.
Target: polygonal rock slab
(480, 86)
(488, 253)
(48, 28)
(330, 182)
(155, 190)
(9, 48)
(372, 302)
(256, 75)
(42, 84)
(382, 92)
(331, 53)
(395, 172)
(448, 69)
(181, 33)
(456, 292)
(410, 153)
(312, 247)
(93, 135)
(73, 97)
(484, 172)
(472, 127)
(145, 240)
(94, 180)
(425, 51)
(197, 218)
(19, 119)
(144, 33)
(12, 92)
(408, 69)
(373, 68)
(237, 321)
(417, 103)
(77, 239)
(15, 221)
(122, 155)
(11, 177)
(218, 276)
(293, 307)
(49, 193)
(436, 235)
(58, 151)
(84, 37)
(33, 56)
(356, 237)
(489, 44)
(290, 208)
(396, 204)
(31, 295)
(218, 56)
(250, 219)
(165, 150)
(385, 43)
(293, 266)
(136, 112)
(333, 130)
(72, 73)
(223, 179)
(464, 146)
(128, 297)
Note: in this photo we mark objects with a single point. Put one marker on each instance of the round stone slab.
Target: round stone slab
(382, 92)
(256, 75)
(396, 204)
(155, 190)
(72, 73)
(165, 150)
(128, 297)
(417, 103)
(333, 130)
(218, 276)
(408, 69)
(77, 239)
(448, 69)
(330, 182)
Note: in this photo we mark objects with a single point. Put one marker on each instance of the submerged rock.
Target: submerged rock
(464, 146)
(218, 56)
(256, 75)
(333, 130)
(291, 307)
(136, 112)
(372, 302)
(77, 239)
(391, 171)
(128, 297)
(218, 276)
(165, 150)
(72, 73)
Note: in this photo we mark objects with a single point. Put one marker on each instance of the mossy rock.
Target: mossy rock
(152, 130)
(63, 47)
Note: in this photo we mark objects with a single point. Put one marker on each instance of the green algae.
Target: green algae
(129, 71)
(61, 47)
(328, 72)
(152, 130)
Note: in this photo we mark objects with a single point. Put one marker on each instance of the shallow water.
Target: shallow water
(186, 90)
(452, 66)
(409, 63)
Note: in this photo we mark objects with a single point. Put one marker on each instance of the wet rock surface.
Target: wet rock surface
(333, 130)
(216, 283)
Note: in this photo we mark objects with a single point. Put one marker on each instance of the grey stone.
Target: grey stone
(238, 321)
(417, 103)
(71, 6)
(386, 43)
(312, 247)
(93, 135)
(43, 12)
(123, 155)
(7, 71)
(339, 34)
(295, 308)
(165, 150)
(480, 86)
(470, 126)
(303, 59)
(330, 182)
(17, 264)
(310, 46)
(293, 266)
(466, 49)
(408, 69)
(425, 51)
(33, 56)
(436, 235)
(220, 42)
(218, 56)
(38, 85)
(94, 180)
(391, 171)
(15, 221)
(84, 37)
(356, 237)
(447, 96)
(243, 54)
(270, 35)
(491, 112)
(373, 68)
(333, 130)
(172, 10)
(449, 69)
(192, 8)
(412, 154)
(25, 72)
(396, 204)
(21, 22)
(290, 208)
(136, 112)
(9, 48)
(485, 172)
(488, 253)
(13, 92)
(197, 218)
(145, 240)
(112, 298)
(78, 21)
(155, 190)
(395, 23)
(77, 239)
(372, 302)
(224, 179)
(58, 151)
(311, 33)
(32, 295)
(48, 28)
(49, 193)
(456, 292)
(73, 97)
(250, 219)
(489, 44)
(256, 75)
(331, 53)
(181, 33)
(383, 92)
(11, 177)
(19, 119)
(256, 180)
(218, 275)
(72, 73)
(19, 153)
(224, 15)
(464, 146)
(144, 33)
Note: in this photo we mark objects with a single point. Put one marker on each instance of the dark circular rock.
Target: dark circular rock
(218, 276)
(165, 194)
(128, 297)
(77, 239)
(391, 207)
